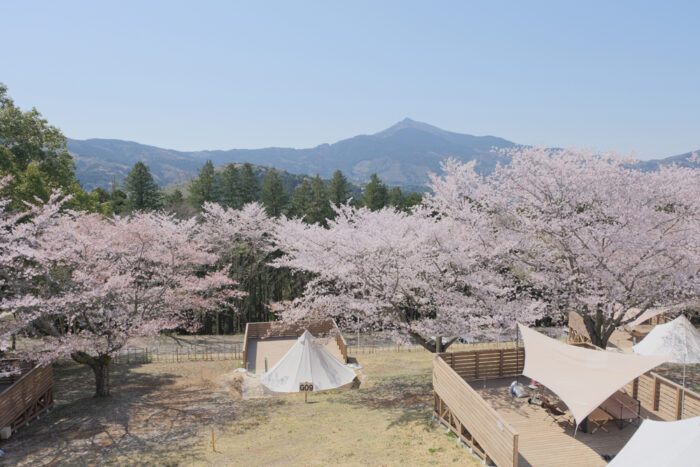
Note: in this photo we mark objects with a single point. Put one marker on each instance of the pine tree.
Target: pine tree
(274, 197)
(320, 208)
(339, 189)
(173, 199)
(249, 188)
(397, 199)
(204, 187)
(230, 181)
(413, 199)
(301, 199)
(376, 195)
(142, 192)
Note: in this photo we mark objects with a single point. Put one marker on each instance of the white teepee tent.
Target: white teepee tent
(307, 361)
(678, 339)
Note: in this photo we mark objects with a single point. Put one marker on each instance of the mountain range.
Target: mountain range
(403, 155)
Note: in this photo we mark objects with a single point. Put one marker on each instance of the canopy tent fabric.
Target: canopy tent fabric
(582, 378)
(307, 362)
(647, 315)
(662, 443)
(678, 339)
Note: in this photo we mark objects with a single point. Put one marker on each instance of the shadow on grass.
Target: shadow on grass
(150, 416)
(403, 399)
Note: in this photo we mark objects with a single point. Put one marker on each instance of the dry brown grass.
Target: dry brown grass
(163, 413)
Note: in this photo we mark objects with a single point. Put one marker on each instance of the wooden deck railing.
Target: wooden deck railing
(460, 407)
(486, 364)
(664, 398)
(26, 397)
(274, 329)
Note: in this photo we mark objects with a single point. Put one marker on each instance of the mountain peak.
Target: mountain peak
(407, 123)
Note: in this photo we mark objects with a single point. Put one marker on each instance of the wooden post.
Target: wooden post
(500, 364)
(655, 394)
(635, 387)
(213, 440)
(679, 403)
(476, 364)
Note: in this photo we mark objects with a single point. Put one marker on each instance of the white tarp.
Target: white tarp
(307, 361)
(582, 378)
(647, 315)
(661, 444)
(678, 339)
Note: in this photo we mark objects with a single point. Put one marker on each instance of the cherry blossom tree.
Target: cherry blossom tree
(591, 232)
(18, 233)
(107, 280)
(415, 276)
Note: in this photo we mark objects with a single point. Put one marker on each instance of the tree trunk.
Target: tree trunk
(436, 347)
(599, 328)
(100, 367)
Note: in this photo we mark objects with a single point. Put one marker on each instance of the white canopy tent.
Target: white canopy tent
(582, 378)
(307, 362)
(662, 444)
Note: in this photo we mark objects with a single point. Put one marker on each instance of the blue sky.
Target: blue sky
(215, 75)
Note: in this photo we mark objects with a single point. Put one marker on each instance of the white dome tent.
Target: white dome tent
(307, 362)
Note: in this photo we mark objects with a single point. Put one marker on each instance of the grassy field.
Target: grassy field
(164, 413)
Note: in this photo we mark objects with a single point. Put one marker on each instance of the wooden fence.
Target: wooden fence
(664, 398)
(460, 407)
(486, 364)
(385, 347)
(26, 395)
(179, 354)
(276, 329)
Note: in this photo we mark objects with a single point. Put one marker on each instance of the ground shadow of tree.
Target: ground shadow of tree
(148, 416)
(403, 399)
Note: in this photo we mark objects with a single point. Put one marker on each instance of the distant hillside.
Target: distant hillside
(401, 155)
(683, 160)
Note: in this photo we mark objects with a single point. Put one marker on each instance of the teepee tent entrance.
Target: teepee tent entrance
(307, 361)
(582, 378)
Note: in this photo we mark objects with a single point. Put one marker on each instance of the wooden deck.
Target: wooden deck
(544, 442)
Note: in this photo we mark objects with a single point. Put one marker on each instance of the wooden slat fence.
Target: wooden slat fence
(664, 398)
(486, 364)
(460, 407)
(26, 397)
(275, 329)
